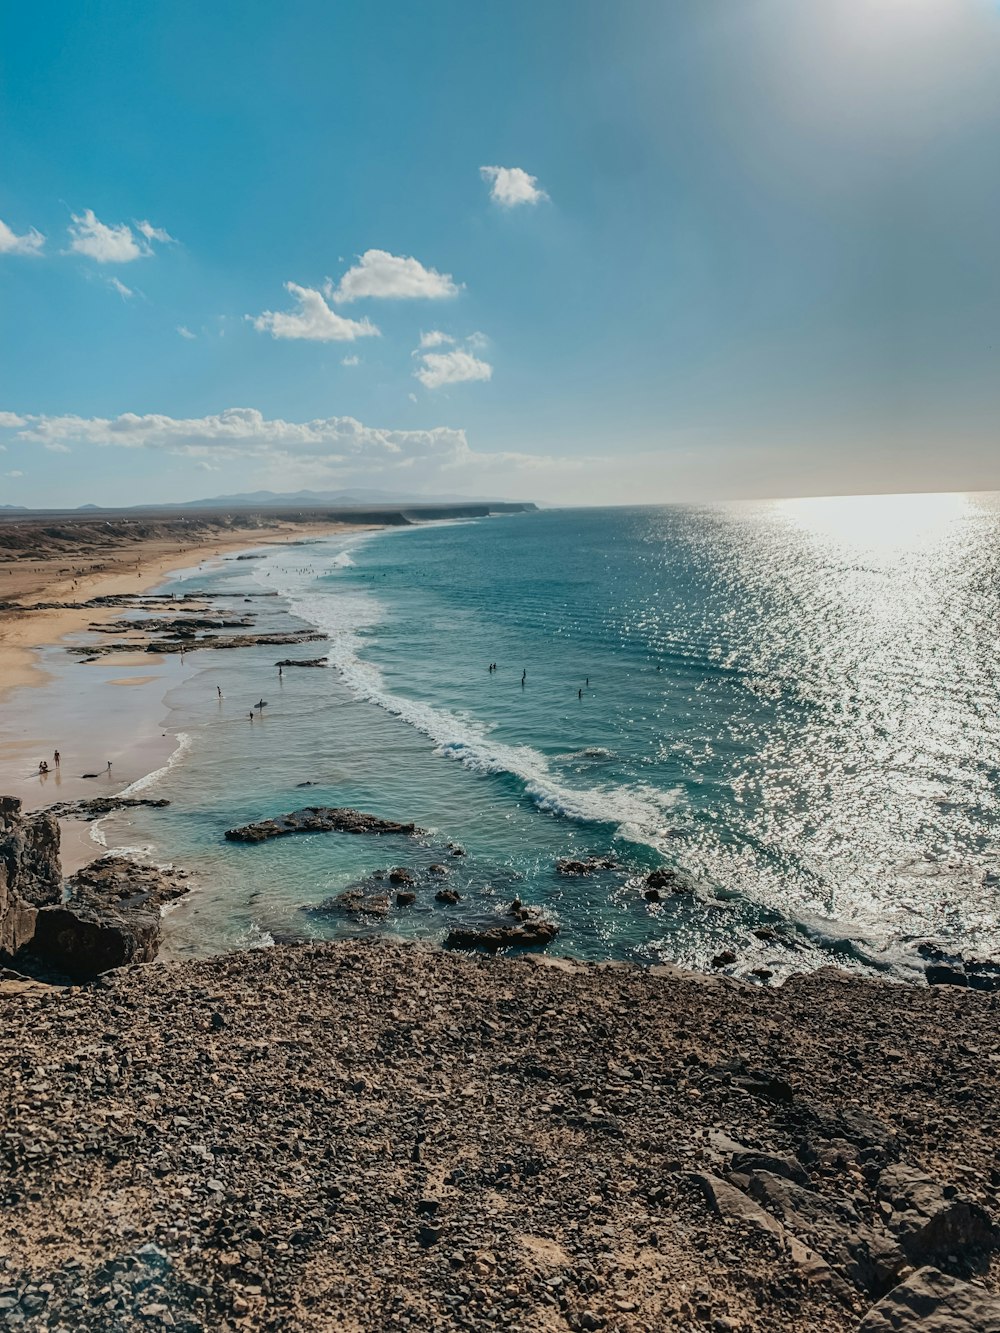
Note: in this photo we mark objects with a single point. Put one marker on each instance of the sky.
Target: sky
(569, 251)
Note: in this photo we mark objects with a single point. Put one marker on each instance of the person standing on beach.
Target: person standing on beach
(109, 765)
(55, 758)
(279, 673)
(218, 690)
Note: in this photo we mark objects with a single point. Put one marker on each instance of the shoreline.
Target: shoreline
(24, 631)
(136, 740)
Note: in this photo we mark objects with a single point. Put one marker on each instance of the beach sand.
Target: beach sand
(125, 568)
(39, 713)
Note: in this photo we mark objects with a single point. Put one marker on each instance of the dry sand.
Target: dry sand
(130, 568)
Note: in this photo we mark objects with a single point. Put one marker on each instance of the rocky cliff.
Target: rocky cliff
(30, 873)
(107, 915)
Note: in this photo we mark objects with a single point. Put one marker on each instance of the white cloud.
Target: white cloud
(477, 341)
(325, 448)
(14, 474)
(510, 186)
(380, 274)
(440, 368)
(30, 243)
(108, 245)
(185, 332)
(435, 338)
(350, 361)
(313, 320)
(11, 421)
(152, 233)
(124, 292)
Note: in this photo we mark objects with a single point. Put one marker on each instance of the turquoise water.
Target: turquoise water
(794, 703)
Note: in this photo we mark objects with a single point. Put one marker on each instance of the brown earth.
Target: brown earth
(368, 1135)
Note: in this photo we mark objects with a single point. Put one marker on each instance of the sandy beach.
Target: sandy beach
(126, 727)
(125, 566)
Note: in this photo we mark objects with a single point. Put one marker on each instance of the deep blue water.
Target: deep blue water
(793, 703)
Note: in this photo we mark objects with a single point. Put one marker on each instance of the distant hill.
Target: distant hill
(361, 496)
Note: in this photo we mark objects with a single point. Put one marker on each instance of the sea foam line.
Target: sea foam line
(141, 784)
(638, 811)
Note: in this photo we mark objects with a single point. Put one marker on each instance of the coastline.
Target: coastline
(150, 563)
(129, 728)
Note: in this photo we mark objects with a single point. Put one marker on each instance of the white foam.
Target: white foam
(142, 784)
(637, 811)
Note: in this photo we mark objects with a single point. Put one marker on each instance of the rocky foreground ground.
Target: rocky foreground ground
(377, 1136)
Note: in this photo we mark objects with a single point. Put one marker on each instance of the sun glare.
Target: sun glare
(886, 522)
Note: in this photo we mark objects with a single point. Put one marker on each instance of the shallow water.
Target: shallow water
(793, 702)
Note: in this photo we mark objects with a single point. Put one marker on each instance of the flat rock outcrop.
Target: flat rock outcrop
(529, 929)
(320, 819)
(933, 1302)
(567, 865)
(101, 805)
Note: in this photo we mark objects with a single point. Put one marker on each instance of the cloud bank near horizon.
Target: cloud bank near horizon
(323, 449)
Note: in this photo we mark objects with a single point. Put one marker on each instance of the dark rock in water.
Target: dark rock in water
(932, 1221)
(405, 898)
(653, 896)
(30, 873)
(666, 879)
(356, 902)
(943, 974)
(724, 959)
(302, 662)
(455, 850)
(532, 931)
(448, 896)
(319, 819)
(568, 866)
(310, 783)
(930, 1301)
(947, 968)
(400, 875)
(101, 805)
(437, 870)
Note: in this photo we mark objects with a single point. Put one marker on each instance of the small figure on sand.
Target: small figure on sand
(42, 766)
(218, 690)
(109, 765)
(55, 758)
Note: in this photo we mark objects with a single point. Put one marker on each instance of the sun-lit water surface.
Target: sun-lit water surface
(794, 702)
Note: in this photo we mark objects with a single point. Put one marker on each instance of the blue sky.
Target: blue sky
(737, 247)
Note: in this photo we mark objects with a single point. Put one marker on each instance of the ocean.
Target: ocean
(793, 704)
